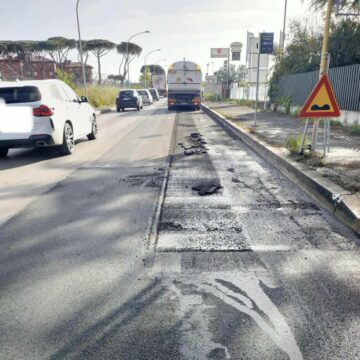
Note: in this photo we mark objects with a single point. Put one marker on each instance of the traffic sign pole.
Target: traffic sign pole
(228, 75)
(257, 81)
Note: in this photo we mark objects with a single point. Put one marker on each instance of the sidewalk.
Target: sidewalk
(341, 165)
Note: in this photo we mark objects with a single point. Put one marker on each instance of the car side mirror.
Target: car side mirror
(84, 99)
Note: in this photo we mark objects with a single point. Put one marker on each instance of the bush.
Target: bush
(99, 96)
(66, 78)
(293, 144)
(285, 101)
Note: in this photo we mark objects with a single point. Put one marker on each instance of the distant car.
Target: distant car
(43, 113)
(146, 96)
(154, 93)
(128, 99)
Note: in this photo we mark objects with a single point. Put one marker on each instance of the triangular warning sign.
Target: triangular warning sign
(321, 102)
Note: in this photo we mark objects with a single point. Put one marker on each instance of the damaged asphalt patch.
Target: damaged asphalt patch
(248, 206)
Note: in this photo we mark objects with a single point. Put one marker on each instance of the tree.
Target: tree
(145, 74)
(99, 48)
(39, 51)
(241, 73)
(344, 5)
(115, 78)
(154, 69)
(67, 78)
(58, 49)
(4, 48)
(344, 46)
(128, 51)
(302, 54)
(222, 73)
(85, 51)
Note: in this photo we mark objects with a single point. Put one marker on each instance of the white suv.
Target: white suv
(43, 113)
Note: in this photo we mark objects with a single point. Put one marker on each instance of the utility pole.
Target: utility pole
(284, 27)
(80, 47)
(323, 63)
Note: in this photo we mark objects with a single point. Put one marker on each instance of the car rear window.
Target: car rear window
(142, 92)
(126, 93)
(24, 94)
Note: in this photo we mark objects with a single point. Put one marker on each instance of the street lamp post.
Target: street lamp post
(150, 52)
(127, 52)
(159, 61)
(80, 46)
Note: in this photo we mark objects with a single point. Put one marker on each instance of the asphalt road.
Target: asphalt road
(254, 271)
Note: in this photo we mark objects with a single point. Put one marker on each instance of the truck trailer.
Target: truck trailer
(159, 83)
(184, 85)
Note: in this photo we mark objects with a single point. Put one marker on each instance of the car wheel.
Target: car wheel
(123, 109)
(94, 130)
(118, 109)
(3, 152)
(138, 108)
(68, 144)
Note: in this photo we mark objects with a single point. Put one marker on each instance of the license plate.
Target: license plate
(126, 98)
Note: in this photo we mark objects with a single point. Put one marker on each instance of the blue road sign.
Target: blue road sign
(266, 43)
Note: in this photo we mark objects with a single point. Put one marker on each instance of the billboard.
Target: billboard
(219, 52)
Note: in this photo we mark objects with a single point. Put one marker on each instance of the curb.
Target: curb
(321, 190)
(104, 110)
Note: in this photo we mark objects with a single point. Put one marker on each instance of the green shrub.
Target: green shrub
(66, 78)
(293, 144)
(355, 129)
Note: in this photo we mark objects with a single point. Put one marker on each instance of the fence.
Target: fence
(248, 92)
(345, 81)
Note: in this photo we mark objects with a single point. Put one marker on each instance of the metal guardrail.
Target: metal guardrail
(345, 81)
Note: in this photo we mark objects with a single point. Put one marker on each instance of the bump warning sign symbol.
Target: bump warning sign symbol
(321, 102)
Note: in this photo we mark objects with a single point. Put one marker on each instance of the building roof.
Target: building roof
(41, 59)
(76, 65)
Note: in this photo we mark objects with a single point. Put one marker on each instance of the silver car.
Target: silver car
(146, 96)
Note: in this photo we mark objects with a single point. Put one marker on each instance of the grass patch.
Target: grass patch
(354, 129)
(99, 95)
(293, 144)
(241, 102)
(333, 122)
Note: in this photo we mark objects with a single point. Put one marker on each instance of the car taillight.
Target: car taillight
(172, 101)
(42, 110)
(196, 100)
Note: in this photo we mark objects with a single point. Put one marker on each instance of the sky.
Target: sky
(180, 28)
